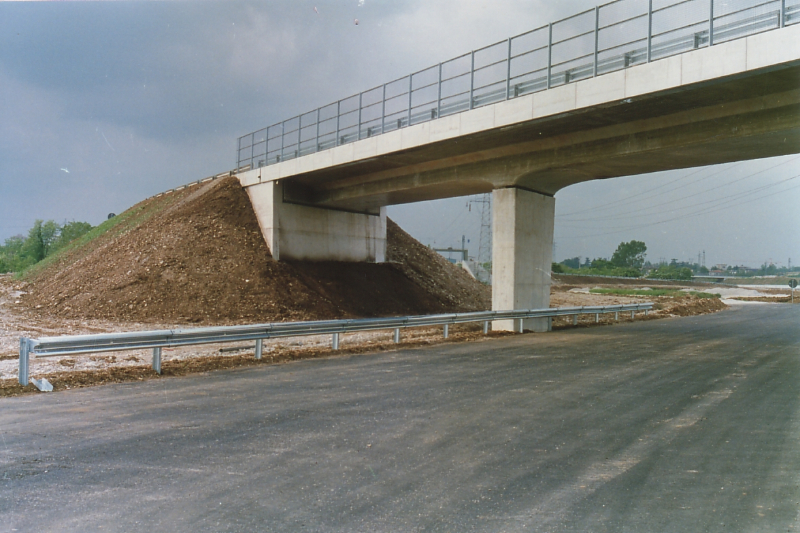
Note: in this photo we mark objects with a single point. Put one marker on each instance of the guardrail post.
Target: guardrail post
(24, 361)
(396, 337)
(549, 52)
(485, 327)
(259, 348)
(446, 330)
(650, 30)
(645, 312)
(596, 318)
(335, 341)
(575, 319)
(710, 22)
(157, 360)
(549, 323)
(520, 326)
(596, 38)
(633, 315)
(616, 315)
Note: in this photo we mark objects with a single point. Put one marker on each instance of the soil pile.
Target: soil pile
(200, 258)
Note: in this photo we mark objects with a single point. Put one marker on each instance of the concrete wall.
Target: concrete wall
(522, 253)
(316, 234)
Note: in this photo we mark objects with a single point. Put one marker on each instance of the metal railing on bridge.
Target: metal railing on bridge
(604, 39)
(156, 340)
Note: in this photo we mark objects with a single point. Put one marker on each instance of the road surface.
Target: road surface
(686, 424)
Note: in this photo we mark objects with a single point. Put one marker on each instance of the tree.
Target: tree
(629, 254)
(69, 232)
(40, 239)
(575, 262)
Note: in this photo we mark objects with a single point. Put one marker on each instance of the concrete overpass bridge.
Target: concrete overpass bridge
(626, 88)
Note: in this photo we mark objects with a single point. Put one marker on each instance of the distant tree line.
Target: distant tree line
(44, 239)
(626, 261)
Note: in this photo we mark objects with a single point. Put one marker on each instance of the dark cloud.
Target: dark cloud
(138, 97)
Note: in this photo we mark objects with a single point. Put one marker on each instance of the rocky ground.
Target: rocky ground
(196, 257)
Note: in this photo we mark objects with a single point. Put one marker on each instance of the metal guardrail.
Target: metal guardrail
(607, 38)
(156, 340)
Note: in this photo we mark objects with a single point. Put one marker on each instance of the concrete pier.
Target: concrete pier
(522, 253)
(301, 232)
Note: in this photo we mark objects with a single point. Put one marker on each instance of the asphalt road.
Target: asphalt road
(672, 425)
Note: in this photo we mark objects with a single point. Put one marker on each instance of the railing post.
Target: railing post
(299, 133)
(316, 144)
(597, 38)
(335, 341)
(360, 100)
(471, 78)
(383, 110)
(485, 327)
(24, 361)
(596, 318)
(396, 337)
(549, 52)
(508, 71)
(783, 14)
(157, 360)
(439, 97)
(446, 330)
(633, 314)
(710, 22)
(259, 348)
(283, 134)
(616, 315)
(338, 112)
(410, 93)
(575, 319)
(238, 154)
(650, 30)
(252, 148)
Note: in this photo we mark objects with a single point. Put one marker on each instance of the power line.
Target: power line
(626, 214)
(700, 212)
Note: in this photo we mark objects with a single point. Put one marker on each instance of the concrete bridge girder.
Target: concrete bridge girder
(734, 101)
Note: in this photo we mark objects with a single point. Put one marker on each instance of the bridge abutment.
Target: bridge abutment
(522, 253)
(301, 232)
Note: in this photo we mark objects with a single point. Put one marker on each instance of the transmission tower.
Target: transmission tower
(485, 243)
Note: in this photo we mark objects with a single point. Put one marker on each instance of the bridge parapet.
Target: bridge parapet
(602, 40)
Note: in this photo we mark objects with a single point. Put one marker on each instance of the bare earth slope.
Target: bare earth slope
(202, 259)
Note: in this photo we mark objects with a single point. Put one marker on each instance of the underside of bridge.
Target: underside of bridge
(717, 105)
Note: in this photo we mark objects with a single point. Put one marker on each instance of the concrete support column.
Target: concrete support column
(522, 253)
(302, 232)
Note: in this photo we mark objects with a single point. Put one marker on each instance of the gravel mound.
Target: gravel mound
(200, 258)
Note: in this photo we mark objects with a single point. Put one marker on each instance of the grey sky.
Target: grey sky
(133, 98)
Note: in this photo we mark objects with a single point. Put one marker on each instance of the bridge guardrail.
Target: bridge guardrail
(607, 38)
(156, 340)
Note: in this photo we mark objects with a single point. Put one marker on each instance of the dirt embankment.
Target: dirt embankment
(203, 260)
